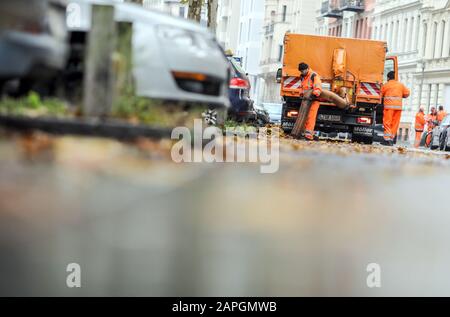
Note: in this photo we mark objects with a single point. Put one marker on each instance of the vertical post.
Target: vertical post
(98, 77)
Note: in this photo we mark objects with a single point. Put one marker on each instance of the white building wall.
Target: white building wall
(250, 39)
(281, 16)
(228, 21)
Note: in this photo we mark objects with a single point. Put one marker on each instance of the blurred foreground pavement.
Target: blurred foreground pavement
(139, 224)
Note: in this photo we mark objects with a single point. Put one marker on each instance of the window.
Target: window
(280, 53)
(389, 66)
(391, 35)
(284, 13)
(416, 40)
(433, 42)
(406, 134)
(424, 38)
(441, 53)
(410, 36)
(395, 41)
(182, 11)
(405, 35)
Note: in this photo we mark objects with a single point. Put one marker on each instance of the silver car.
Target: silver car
(33, 41)
(174, 59)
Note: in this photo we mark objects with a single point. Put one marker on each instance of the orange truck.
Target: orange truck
(355, 69)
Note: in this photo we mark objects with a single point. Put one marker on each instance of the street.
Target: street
(139, 224)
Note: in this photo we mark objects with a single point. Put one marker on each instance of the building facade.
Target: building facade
(175, 8)
(280, 17)
(250, 37)
(418, 32)
(228, 22)
(345, 18)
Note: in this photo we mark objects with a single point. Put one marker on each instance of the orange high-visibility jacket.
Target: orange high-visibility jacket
(441, 115)
(393, 93)
(312, 81)
(420, 122)
(431, 119)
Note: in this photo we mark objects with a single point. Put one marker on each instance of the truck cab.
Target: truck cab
(351, 67)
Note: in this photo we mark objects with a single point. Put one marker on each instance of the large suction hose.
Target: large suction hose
(299, 127)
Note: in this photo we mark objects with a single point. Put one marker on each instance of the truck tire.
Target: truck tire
(362, 139)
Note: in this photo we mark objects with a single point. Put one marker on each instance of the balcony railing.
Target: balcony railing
(352, 5)
(330, 9)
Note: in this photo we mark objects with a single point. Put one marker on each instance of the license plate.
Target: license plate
(288, 125)
(363, 131)
(330, 117)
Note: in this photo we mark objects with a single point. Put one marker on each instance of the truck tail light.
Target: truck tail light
(292, 114)
(239, 83)
(364, 120)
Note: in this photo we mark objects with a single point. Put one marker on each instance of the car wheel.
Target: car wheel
(214, 116)
(260, 122)
(446, 148)
(442, 142)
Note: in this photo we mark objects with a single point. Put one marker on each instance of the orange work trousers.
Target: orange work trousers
(311, 120)
(391, 122)
(418, 138)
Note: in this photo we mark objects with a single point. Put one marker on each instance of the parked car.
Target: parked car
(33, 43)
(241, 109)
(274, 110)
(174, 59)
(262, 115)
(440, 136)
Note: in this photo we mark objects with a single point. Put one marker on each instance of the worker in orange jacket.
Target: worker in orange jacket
(419, 126)
(393, 93)
(310, 80)
(441, 114)
(432, 122)
(432, 119)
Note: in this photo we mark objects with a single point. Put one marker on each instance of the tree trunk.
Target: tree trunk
(195, 10)
(213, 5)
(98, 76)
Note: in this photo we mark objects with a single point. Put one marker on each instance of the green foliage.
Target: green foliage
(33, 106)
(153, 112)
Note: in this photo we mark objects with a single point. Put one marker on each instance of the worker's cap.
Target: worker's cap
(303, 66)
(391, 75)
